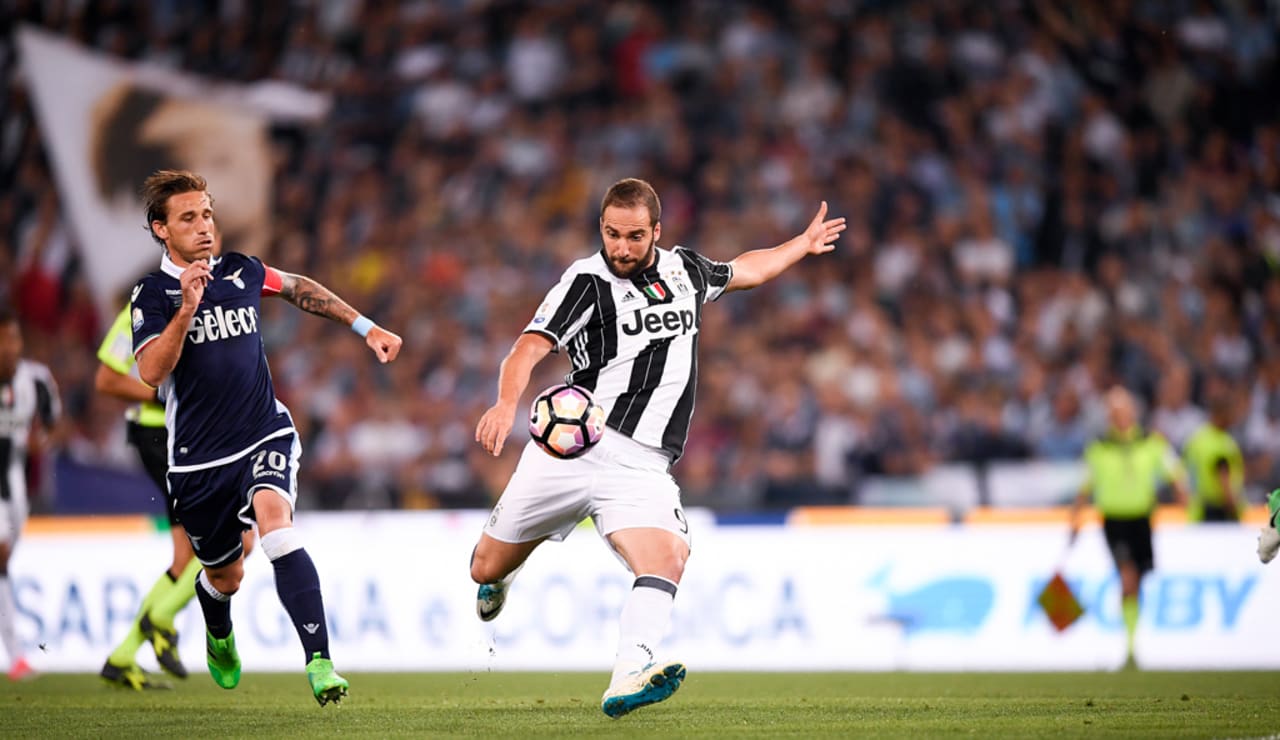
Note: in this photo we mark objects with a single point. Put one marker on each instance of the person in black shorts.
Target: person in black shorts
(1125, 469)
(233, 449)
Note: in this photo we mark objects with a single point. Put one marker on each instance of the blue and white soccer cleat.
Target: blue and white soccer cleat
(649, 685)
(490, 598)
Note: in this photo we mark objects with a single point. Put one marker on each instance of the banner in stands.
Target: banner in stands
(399, 597)
(108, 124)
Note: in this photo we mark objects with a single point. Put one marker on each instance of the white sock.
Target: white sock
(643, 623)
(8, 613)
(280, 542)
(203, 582)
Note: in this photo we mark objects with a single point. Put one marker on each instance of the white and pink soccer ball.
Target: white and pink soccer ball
(566, 421)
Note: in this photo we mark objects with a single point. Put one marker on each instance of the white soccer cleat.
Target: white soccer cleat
(490, 598)
(649, 685)
(1269, 538)
(1268, 544)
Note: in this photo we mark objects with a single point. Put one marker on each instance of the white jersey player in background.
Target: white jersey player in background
(29, 407)
(628, 318)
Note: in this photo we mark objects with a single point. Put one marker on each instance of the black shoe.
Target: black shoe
(130, 677)
(165, 643)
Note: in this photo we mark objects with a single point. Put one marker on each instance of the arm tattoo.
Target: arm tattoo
(314, 298)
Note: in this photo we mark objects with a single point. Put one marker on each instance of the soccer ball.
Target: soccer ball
(566, 421)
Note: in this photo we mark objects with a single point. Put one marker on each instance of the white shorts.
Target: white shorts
(13, 513)
(620, 484)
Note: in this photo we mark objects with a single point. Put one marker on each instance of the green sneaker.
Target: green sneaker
(224, 661)
(326, 684)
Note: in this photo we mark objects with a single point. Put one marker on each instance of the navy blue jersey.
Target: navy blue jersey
(221, 403)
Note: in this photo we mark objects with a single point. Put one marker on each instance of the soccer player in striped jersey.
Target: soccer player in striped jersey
(628, 318)
(233, 450)
(29, 406)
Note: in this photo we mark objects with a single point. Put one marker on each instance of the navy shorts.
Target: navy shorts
(216, 504)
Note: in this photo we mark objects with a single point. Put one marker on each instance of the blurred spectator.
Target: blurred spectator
(1174, 415)
(1067, 433)
(1044, 199)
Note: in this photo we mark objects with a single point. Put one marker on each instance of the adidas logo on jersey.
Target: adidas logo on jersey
(668, 322)
(218, 324)
(629, 296)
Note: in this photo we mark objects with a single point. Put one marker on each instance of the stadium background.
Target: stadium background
(1044, 200)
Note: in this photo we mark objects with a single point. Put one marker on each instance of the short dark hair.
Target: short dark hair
(161, 186)
(631, 192)
(7, 315)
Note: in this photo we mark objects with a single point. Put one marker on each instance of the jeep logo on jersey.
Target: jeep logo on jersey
(220, 324)
(669, 321)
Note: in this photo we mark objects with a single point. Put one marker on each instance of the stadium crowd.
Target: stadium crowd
(1044, 199)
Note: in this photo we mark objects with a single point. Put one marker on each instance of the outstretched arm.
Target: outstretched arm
(513, 377)
(1077, 505)
(313, 297)
(124, 387)
(759, 266)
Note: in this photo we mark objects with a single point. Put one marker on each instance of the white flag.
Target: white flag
(108, 123)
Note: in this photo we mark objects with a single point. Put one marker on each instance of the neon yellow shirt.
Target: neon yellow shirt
(116, 352)
(1125, 472)
(1205, 450)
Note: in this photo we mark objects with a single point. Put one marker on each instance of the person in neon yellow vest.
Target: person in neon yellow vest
(1217, 467)
(117, 377)
(1125, 469)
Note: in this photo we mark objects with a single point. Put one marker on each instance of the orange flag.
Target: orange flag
(1060, 605)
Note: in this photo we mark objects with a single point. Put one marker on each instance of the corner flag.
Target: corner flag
(1059, 603)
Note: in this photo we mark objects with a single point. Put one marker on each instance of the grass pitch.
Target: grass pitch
(1129, 705)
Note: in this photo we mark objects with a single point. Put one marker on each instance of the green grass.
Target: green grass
(1129, 704)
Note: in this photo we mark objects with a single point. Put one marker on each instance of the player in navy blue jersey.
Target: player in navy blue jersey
(233, 449)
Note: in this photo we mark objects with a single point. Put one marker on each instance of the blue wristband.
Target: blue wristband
(361, 326)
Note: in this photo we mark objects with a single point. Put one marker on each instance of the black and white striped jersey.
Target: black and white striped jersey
(29, 396)
(633, 342)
